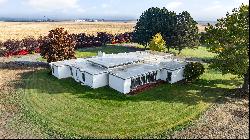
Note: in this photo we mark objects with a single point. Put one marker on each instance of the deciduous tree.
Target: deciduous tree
(229, 38)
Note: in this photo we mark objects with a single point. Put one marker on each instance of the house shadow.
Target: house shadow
(200, 91)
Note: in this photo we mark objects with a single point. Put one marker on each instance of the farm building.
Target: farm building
(123, 72)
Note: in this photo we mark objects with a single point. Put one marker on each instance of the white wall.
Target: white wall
(75, 74)
(88, 79)
(177, 75)
(100, 80)
(127, 84)
(164, 74)
(159, 75)
(118, 84)
(61, 72)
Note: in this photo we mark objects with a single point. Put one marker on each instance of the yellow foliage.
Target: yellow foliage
(157, 43)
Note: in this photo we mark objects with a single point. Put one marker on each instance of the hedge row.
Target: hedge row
(19, 47)
(31, 45)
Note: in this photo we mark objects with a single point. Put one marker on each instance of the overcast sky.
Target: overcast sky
(199, 9)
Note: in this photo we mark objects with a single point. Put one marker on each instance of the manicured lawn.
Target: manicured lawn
(64, 108)
(200, 52)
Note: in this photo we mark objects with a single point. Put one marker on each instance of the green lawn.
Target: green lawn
(65, 108)
(200, 52)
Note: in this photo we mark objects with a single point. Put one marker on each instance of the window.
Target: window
(169, 76)
(83, 77)
(53, 69)
(71, 72)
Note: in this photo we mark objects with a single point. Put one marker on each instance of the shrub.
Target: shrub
(193, 71)
(12, 45)
(122, 38)
(157, 43)
(30, 44)
(58, 46)
(83, 41)
(104, 38)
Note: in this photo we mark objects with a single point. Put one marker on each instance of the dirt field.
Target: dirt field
(19, 30)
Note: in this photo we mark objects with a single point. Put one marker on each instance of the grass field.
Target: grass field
(64, 108)
(20, 30)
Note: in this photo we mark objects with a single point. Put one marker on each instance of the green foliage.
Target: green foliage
(153, 21)
(157, 43)
(193, 70)
(58, 46)
(180, 31)
(186, 32)
(229, 38)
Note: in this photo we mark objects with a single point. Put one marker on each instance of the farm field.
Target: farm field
(20, 30)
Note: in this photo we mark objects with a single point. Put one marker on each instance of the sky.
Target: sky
(200, 10)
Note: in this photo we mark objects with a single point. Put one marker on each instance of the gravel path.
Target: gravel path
(226, 119)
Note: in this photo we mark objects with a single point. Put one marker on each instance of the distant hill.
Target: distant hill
(204, 23)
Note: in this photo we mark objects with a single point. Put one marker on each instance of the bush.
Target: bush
(157, 43)
(193, 71)
(83, 41)
(58, 46)
(122, 38)
(104, 37)
(30, 44)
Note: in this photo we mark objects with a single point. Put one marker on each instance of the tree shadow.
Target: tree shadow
(17, 65)
(191, 94)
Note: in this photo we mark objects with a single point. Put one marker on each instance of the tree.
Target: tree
(153, 21)
(229, 38)
(157, 43)
(58, 46)
(186, 32)
(193, 71)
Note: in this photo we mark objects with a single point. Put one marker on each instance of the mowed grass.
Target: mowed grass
(200, 52)
(72, 110)
(64, 108)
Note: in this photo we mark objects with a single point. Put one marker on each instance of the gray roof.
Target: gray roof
(89, 68)
(135, 70)
(173, 65)
(139, 69)
(110, 62)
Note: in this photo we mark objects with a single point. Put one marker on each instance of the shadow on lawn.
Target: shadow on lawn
(18, 65)
(191, 94)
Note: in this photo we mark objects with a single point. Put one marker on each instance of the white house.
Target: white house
(123, 72)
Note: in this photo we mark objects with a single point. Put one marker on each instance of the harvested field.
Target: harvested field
(20, 30)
